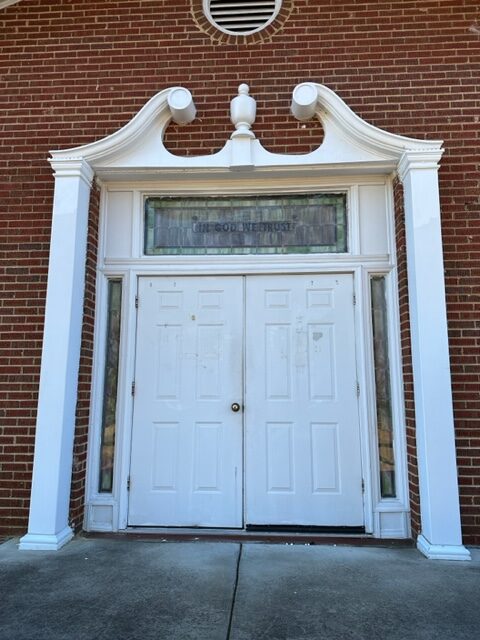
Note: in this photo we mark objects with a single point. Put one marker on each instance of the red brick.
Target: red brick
(73, 72)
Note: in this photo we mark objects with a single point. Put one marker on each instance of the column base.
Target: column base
(45, 541)
(442, 551)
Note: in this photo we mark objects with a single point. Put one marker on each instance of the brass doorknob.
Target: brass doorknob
(235, 407)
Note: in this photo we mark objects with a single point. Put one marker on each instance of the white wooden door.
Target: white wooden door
(186, 461)
(302, 452)
(302, 443)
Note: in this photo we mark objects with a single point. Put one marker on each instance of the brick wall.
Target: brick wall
(407, 369)
(77, 496)
(73, 71)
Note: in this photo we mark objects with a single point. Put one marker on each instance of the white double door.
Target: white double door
(281, 350)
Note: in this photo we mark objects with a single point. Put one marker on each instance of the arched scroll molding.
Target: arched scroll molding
(350, 146)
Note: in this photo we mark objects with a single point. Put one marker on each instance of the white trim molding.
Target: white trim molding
(442, 551)
(350, 145)
(137, 154)
(52, 468)
(437, 465)
(46, 541)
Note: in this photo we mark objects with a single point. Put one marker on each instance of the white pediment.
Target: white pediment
(349, 143)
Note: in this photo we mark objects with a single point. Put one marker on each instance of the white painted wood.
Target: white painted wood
(442, 551)
(186, 467)
(363, 342)
(362, 310)
(351, 147)
(125, 408)
(245, 266)
(48, 521)
(353, 222)
(307, 365)
(373, 220)
(437, 469)
(45, 541)
(181, 105)
(303, 461)
(137, 150)
(304, 101)
(243, 109)
(390, 515)
(117, 499)
(118, 233)
(101, 516)
(220, 265)
(393, 523)
(190, 265)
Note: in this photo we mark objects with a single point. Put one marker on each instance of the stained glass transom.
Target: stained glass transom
(314, 223)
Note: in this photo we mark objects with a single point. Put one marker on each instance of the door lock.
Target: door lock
(235, 407)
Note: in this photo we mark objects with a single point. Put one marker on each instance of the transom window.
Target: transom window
(315, 223)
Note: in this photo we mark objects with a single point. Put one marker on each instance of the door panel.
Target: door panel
(302, 449)
(186, 465)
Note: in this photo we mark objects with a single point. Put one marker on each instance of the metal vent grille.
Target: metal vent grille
(242, 16)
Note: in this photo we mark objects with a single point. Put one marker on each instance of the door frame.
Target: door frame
(382, 517)
(367, 462)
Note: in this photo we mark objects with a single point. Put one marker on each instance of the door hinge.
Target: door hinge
(358, 389)
(363, 485)
(128, 483)
(136, 302)
(354, 299)
(133, 388)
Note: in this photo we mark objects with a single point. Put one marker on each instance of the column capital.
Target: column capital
(418, 159)
(72, 168)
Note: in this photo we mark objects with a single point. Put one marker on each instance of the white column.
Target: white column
(48, 527)
(441, 535)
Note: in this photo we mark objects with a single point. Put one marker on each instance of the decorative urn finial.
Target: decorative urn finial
(243, 109)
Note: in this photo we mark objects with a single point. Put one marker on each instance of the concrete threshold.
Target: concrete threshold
(169, 534)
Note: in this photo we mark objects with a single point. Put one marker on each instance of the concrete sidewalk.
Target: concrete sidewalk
(139, 590)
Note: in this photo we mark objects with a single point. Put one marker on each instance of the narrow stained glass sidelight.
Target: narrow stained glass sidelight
(110, 386)
(315, 223)
(382, 387)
